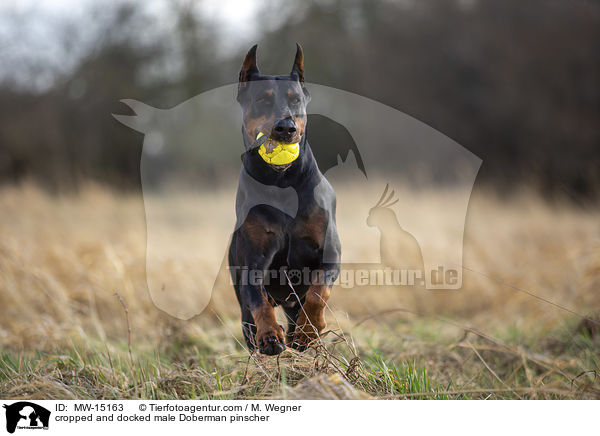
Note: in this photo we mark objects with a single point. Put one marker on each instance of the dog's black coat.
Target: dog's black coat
(271, 240)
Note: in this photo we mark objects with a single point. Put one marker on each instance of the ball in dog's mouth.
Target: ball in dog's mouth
(278, 154)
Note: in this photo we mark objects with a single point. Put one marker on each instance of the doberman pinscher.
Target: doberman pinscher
(271, 241)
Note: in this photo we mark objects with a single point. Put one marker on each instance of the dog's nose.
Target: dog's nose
(284, 129)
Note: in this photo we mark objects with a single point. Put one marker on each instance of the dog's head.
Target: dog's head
(273, 106)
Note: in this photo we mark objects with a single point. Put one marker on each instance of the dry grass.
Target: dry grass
(64, 333)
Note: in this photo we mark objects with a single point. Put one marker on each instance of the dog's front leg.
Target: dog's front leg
(311, 319)
(269, 334)
(258, 242)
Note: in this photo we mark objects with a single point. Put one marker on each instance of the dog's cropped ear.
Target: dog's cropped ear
(298, 69)
(249, 69)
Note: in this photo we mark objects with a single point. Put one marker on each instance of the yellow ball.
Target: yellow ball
(283, 154)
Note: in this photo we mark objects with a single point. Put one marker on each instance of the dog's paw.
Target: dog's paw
(298, 345)
(303, 336)
(270, 341)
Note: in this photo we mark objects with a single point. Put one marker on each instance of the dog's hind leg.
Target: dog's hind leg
(291, 314)
(248, 328)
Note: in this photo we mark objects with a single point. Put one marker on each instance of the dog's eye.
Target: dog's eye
(295, 100)
(265, 101)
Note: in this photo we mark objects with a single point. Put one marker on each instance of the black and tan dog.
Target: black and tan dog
(270, 241)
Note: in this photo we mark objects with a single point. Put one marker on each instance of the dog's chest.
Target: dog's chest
(305, 235)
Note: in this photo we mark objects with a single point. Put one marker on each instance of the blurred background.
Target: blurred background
(517, 83)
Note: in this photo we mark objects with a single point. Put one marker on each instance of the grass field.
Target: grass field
(70, 265)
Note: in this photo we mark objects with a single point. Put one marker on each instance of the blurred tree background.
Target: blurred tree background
(516, 82)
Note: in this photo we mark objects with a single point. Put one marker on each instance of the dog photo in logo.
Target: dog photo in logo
(26, 415)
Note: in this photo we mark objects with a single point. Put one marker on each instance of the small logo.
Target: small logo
(26, 415)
